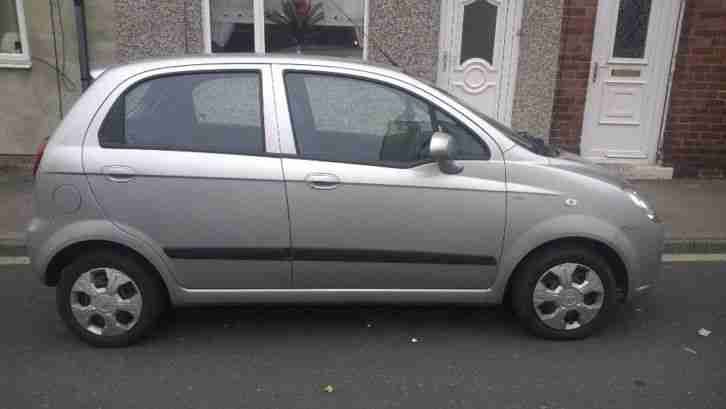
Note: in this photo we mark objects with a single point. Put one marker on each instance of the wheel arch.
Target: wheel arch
(612, 257)
(69, 253)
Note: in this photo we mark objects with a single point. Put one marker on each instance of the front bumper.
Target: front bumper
(644, 261)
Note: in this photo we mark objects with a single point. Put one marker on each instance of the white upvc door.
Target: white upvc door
(632, 53)
(478, 50)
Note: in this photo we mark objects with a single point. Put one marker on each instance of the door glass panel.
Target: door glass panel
(358, 121)
(479, 31)
(632, 29)
(323, 27)
(218, 112)
(232, 26)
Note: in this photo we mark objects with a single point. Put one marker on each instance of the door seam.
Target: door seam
(289, 224)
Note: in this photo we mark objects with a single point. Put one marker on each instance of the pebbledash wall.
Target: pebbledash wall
(694, 141)
(157, 28)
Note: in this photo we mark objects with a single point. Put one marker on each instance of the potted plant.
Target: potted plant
(300, 18)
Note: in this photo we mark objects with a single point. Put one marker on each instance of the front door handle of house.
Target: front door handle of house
(119, 174)
(322, 181)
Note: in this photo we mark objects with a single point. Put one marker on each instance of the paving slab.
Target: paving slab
(691, 209)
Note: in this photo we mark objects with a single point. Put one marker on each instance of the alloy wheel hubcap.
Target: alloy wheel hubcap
(105, 301)
(568, 296)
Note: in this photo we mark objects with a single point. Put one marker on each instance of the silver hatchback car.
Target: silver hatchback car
(247, 179)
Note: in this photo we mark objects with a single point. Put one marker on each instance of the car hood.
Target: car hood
(577, 164)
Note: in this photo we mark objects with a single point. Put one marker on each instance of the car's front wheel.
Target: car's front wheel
(564, 292)
(109, 298)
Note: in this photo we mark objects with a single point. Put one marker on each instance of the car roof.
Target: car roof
(242, 58)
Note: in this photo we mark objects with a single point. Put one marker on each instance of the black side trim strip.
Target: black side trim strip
(315, 254)
(386, 256)
(228, 253)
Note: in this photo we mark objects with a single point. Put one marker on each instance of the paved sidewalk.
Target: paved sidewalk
(694, 211)
(16, 193)
(690, 208)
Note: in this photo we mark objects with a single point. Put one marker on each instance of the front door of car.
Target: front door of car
(369, 209)
(183, 160)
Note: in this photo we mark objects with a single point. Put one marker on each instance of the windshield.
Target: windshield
(519, 139)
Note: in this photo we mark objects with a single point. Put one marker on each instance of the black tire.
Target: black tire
(527, 275)
(148, 283)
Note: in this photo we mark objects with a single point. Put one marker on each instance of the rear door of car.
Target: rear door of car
(187, 159)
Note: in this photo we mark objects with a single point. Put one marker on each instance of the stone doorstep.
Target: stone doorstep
(640, 172)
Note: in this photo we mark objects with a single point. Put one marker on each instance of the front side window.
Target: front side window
(352, 120)
(321, 27)
(205, 112)
(14, 50)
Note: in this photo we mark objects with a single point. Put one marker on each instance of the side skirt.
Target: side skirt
(189, 297)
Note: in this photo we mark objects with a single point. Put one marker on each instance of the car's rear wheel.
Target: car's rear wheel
(109, 299)
(564, 292)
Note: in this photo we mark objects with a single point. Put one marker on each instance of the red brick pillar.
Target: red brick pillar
(578, 25)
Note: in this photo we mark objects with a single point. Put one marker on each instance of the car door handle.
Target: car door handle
(322, 181)
(119, 174)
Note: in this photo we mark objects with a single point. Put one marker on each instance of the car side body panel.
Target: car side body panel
(52, 230)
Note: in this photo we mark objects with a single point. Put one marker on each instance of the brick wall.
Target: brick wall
(695, 139)
(576, 38)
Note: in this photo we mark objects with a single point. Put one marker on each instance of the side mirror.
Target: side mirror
(441, 149)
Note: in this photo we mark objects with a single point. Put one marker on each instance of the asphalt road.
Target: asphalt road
(257, 357)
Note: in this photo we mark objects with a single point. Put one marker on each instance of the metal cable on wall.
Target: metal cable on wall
(62, 79)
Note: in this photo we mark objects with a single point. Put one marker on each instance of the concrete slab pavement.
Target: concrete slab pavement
(693, 211)
(16, 205)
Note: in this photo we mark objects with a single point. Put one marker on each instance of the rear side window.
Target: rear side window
(205, 112)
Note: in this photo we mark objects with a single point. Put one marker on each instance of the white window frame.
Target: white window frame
(259, 22)
(8, 60)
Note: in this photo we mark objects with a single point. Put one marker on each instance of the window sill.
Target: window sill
(19, 63)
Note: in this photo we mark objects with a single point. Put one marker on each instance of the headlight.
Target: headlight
(641, 203)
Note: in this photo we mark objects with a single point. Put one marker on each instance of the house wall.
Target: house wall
(537, 69)
(694, 142)
(155, 28)
(29, 100)
(576, 39)
(408, 31)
